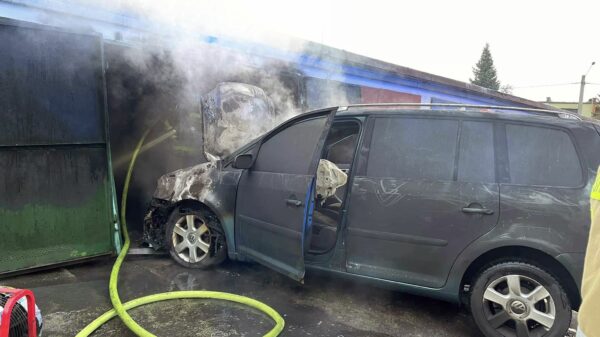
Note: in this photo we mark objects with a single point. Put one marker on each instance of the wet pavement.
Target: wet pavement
(72, 297)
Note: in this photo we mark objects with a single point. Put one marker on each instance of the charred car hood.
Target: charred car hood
(194, 182)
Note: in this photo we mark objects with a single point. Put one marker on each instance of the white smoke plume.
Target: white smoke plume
(161, 69)
(169, 52)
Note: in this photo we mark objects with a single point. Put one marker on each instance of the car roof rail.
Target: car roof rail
(557, 113)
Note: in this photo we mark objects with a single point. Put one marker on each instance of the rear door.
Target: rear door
(424, 189)
(544, 188)
(275, 197)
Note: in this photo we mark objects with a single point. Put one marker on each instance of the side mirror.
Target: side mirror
(243, 161)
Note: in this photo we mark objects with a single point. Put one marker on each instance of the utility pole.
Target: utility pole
(582, 86)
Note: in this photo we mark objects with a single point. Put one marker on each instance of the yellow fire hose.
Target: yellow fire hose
(120, 309)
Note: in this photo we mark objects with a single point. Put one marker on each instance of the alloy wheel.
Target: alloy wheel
(191, 238)
(519, 306)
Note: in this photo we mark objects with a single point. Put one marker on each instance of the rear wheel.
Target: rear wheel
(195, 239)
(515, 299)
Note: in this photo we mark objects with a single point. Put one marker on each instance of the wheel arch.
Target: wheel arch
(192, 203)
(526, 254)
(196, 205)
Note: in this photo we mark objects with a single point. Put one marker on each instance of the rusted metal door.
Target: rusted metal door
(56, 186)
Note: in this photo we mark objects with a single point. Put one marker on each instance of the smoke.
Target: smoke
(185, 69)
(159, 73)
(169, 66)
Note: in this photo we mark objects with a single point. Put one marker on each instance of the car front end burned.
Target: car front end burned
(210, 186)
(193, 184)
(154, 221)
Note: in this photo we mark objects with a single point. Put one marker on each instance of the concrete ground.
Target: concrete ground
(72, 297)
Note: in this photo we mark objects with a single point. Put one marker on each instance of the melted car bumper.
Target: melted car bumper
(155, 221)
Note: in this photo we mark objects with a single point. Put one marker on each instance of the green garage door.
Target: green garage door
(56, 187)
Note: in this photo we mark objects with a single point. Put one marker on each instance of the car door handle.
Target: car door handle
(476, 210)
(293, 202)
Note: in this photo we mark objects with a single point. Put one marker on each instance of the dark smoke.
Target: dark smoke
(158, 80)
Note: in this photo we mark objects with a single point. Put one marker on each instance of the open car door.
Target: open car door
(275, 196)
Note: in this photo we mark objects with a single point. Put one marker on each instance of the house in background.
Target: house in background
(317, 71)
(590, 108)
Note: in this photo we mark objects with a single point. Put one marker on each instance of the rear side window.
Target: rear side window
(542, 156)
(413, 148)
(342, 152)
(292, 149)
(340, 144)
(476, 154)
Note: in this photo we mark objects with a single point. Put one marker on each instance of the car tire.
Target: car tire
(195, 238)
(508, 297)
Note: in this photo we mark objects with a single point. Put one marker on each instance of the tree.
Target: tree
(507, 89)
(484, 71)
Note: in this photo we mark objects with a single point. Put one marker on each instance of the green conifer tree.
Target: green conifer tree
(484, 71)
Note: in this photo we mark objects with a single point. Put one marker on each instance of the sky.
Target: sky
(541, 48)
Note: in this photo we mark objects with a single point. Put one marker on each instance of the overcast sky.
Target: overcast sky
(535, 44)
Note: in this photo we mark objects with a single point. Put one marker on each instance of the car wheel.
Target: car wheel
(516, 299)
(195, 239)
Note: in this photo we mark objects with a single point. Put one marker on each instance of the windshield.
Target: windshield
(230, 157)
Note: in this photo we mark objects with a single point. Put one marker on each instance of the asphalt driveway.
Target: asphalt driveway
(324, 306)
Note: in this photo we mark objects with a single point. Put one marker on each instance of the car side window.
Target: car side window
(476, 162)
(291, 150)
(413, 148)
(342, 152)
(542, 156)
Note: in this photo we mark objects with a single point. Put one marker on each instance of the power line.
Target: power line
(549, 85)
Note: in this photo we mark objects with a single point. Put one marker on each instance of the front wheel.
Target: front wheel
(515, 299)
(195, 239)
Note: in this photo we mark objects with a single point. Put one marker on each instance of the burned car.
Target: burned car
(230, 112)
(487, 207)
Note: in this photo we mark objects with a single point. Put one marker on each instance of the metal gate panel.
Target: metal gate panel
(56, 186)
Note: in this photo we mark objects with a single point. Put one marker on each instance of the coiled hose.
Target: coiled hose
(120, 309)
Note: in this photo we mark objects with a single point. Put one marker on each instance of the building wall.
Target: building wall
(589, 109)
(372, 95)
(325, 64)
